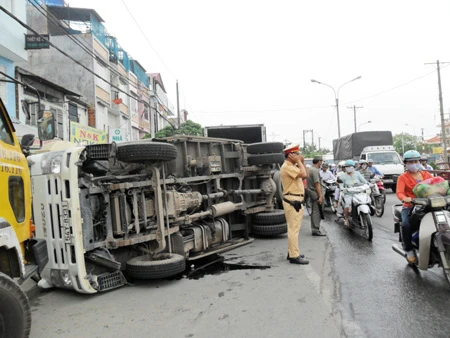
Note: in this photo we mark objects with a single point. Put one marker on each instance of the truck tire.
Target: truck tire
(266, 218)
(161, 265)
(15, 312)
(265, 147)
(269, 230)
(146, 151)
(279, 185)
(261, 159)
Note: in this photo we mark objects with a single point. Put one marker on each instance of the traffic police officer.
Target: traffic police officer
(292, 173)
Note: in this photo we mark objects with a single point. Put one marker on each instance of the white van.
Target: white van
(387, 161)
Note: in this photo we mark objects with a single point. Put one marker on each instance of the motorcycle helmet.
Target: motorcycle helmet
(411, 155)
(362, 162)
(325, 164)
(342, 163)
(349, 163)
(423, 157)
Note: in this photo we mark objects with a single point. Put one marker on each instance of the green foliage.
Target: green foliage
(411, 142)
(311, 150)
(187, 128)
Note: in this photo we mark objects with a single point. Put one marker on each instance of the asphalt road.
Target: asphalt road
(352, 288)
(379, 293)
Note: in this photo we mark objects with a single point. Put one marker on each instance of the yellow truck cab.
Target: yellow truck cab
(17, 251)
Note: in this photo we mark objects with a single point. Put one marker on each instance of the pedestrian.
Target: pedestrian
(314, 187)
(292, 173)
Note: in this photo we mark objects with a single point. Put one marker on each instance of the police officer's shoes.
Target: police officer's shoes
(287, 257)
(298, 260)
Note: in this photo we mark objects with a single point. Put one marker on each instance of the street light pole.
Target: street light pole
(336, 96)
(359, 127)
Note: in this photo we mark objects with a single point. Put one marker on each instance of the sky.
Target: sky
(252, 61)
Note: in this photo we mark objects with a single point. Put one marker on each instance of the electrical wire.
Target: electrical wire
(77, 62)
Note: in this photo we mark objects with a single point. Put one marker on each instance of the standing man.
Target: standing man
(292, 172)
(314, 186)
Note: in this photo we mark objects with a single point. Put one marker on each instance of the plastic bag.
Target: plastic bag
(431, 186)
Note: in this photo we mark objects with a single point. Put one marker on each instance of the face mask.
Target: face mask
(413, 167)
(364, 166)
(350, 169)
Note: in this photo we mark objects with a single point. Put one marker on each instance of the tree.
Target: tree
(187, 128)
(405, 141)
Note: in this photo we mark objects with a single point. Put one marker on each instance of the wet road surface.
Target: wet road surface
(380, 295)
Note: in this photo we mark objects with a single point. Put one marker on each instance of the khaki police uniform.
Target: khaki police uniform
(293, 190)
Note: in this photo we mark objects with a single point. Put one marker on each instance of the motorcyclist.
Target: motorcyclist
(405, 185)
(350, 179)
(364, 170)
(423, 162)
(326, 174)
(372, 168)
(337, 191)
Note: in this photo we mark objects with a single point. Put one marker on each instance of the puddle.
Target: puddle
(216, 266)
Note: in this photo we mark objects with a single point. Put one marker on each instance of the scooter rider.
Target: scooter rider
(325, 174)
(405, 185)
(424, 164)
(350, 179)
(364, 170)
(372, 168)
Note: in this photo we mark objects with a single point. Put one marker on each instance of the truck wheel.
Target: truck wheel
(161, 265)
(146, 151)
(264, 218)
(279, 193)
(260, 159)
(15, 312)
(265, 147)
(269, 230)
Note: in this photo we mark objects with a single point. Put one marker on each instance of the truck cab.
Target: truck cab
(387, 161)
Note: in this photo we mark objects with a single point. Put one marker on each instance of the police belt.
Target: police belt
(297, 205)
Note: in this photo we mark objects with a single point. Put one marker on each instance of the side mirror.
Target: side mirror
(27, 140)
(26, 109)
(46, 126)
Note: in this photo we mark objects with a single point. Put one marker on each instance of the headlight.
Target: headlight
(51, 162)
(437, 202)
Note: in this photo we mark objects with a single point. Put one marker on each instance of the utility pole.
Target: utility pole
(178, 108)
(304, 143)
(304, 140)
(354, 114)
(441, 104)
(319, 142)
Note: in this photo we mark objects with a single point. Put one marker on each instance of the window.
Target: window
(17, 197)
(73, 112)
(34, 113)
(146, 116)
(5, 132)
(3, 85)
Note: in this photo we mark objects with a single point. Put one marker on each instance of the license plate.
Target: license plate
(388, 181)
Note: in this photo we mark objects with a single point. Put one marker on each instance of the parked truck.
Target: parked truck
(20, 254)
(375, 146)
(250, 133)
(143, 209)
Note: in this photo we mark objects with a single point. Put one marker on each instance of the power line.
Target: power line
(148, 41)
(77, 62)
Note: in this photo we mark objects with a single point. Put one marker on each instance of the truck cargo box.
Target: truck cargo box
(250, 133)
(350, 146)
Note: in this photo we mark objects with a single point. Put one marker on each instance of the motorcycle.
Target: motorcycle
(361, 209)
(432, 240)
(377, 197)
(329, 187)
(381, 187)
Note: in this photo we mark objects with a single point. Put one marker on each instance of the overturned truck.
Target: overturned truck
(143, 209)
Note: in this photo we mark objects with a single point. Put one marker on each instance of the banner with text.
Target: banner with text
(86, 135)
